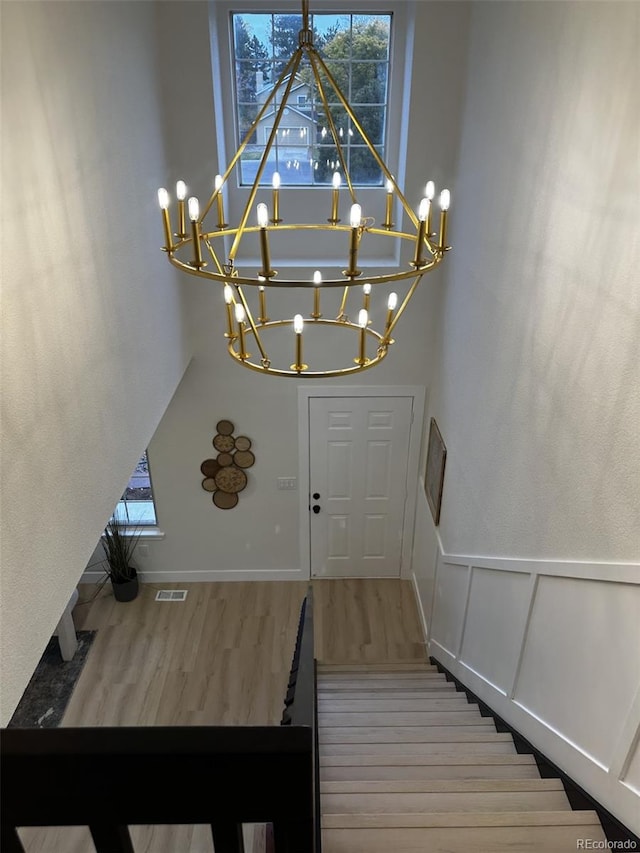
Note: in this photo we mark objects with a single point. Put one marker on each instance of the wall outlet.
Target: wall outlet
(143, 551)
(287, 483)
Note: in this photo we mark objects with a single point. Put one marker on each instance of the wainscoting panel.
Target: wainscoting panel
(424, 558)
(492, 639)
(452, 585)
(582, 652)
(554, 648)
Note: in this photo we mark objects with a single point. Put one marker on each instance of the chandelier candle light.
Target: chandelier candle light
(222, 241)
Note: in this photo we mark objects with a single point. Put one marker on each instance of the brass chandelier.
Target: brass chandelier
(247, 321)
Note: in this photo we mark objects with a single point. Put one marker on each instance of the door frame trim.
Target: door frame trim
(305, 394)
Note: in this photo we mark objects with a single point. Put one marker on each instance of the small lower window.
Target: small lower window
(137, 506)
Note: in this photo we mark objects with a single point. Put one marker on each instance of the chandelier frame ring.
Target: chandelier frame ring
(374, 280)
(382, 349)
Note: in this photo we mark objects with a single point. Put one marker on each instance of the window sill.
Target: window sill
(150, 532)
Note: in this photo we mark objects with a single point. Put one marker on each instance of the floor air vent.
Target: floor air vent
(171, 594)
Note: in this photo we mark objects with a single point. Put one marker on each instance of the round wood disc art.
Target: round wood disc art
(225, 476)
(231, 479)
(224, 500)
(244, 458)
(224, 443)
(210, 467)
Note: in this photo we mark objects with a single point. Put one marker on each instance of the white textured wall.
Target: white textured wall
(261, 533)
(538, 388)
(93, 339)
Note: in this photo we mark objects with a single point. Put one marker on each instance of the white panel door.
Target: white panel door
(358, 454)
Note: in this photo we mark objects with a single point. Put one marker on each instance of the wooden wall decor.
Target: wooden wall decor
(434, 475)
(225, 476)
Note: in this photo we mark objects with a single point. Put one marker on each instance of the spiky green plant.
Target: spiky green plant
(119, 542)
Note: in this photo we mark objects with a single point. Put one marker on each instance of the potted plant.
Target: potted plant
(119, 542)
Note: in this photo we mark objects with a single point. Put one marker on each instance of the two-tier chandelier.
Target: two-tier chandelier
(248, 294)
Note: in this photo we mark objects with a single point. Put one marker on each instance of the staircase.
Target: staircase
(407, 764)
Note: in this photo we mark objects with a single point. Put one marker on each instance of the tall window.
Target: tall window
(136, 506)
(356, 51)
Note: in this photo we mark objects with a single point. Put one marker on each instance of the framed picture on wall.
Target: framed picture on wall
(434, 475)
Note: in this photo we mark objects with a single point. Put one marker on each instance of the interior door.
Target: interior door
(358, 451)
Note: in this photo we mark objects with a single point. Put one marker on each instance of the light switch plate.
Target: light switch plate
(287, 483)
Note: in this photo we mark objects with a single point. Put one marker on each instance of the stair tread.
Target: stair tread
(458, 702)
(437, 760)
(381, 675)
(424, 772)
(445, 786)
(340, 691)
(388, 687)
(484, 839)
(407, 734)
(482, 745)
(382, 666)
(456, 801)
(546, 817)
(470, 717)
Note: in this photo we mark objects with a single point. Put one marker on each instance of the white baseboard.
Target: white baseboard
(208, 576)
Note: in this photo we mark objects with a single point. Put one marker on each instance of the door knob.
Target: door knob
(316, 509)
(316, 496)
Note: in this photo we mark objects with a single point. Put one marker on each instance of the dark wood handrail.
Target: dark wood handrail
(111, 778)
(301, 705)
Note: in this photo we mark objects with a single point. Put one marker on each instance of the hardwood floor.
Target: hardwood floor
(220, 658)
(367, 621)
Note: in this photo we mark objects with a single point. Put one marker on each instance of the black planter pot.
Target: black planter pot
(126, 590)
